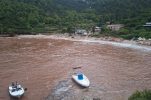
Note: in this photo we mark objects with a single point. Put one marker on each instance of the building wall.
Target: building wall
(115, 27)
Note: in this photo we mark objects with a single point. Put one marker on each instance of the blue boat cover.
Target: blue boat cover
(80, 76)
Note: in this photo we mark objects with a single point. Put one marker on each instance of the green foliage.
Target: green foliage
(136, 33)
(129, 36)
(141, 95)
(124, 31)
(70, 30)
(145, 34)
(106, 30)
(17, 17)
(24, 16)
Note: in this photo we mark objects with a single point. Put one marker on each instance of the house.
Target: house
(81, 32)
(115, 27)
(108, 23)
(148, 24)
(97, 29)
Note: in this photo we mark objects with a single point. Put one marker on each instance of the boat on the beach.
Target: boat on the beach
(16, 90)
(81, 79)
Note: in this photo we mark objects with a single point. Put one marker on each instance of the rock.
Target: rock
(141, 39)
(68, 90)
(62, 90)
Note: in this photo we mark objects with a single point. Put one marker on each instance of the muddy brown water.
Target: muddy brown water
(40, 63)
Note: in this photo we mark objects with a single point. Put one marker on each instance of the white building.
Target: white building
(148, 24)
(97, 29)
(115, 27)
(81, 32)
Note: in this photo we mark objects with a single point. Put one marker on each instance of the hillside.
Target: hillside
(23, 16)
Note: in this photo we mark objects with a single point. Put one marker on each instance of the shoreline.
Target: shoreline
(66, 36)
(119, 42)
(103, 40)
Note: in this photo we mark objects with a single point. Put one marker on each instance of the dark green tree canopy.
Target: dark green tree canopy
(44, 15)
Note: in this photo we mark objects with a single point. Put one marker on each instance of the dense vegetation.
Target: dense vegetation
(24, 16)
(141, 95)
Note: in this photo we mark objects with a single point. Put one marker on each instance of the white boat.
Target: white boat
(81, 79)
(16, 90)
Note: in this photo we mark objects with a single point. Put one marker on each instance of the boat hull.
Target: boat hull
(16, 93)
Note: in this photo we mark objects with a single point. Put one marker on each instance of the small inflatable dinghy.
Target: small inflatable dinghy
(16, 90)
(81, 79)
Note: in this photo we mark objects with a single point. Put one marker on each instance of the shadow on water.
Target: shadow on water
(13, 98)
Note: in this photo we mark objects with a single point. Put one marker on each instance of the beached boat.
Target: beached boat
(16, 90)
(81, 79)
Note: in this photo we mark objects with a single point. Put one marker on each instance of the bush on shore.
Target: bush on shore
(141, 95)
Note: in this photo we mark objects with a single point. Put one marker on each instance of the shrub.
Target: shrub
(141, 95)
(123, 31)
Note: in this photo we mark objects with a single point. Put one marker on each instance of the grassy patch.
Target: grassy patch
(141, 95)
